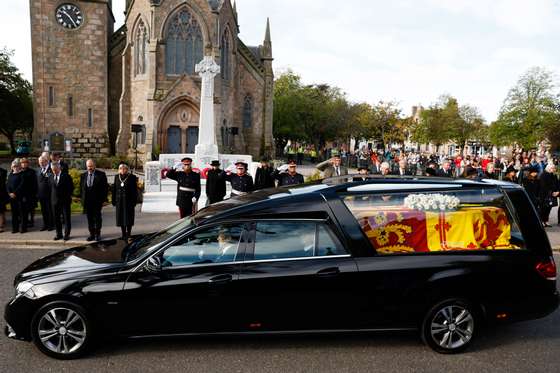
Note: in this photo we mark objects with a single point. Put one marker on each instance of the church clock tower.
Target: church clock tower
(70, 46)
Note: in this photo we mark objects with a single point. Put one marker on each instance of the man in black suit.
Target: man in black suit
(61, 199)
(44, 193)
(264, 178)
(93, 191)
(56, 157)
(215, 183)
(445, 170)
(403, 169)
(30, 187)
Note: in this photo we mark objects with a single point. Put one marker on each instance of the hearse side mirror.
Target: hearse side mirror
(153, 264)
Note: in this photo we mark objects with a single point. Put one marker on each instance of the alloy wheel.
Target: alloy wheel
(62, 330)
(452, 327)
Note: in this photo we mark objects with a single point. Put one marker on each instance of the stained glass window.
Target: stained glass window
(248, 112)
(183, 44)
(225, 56)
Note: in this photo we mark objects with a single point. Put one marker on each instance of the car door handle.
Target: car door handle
(329, 272)
(221, 279)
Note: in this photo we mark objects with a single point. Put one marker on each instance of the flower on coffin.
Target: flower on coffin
(431, 202)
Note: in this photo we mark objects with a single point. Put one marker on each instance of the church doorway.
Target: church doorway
(178, 129)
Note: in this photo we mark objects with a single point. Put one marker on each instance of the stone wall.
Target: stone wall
(75, 64)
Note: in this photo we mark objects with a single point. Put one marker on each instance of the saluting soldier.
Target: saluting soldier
(188, 188)
(289, 177)
(241, 183)
(215, 183)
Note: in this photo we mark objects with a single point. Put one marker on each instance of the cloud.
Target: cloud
(410, 51)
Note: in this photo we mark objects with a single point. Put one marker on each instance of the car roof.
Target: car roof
(292, 200)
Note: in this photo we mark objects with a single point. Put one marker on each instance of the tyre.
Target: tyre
(449, 327)
(61, 330)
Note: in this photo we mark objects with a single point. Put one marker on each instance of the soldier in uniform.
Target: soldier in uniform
(241, 183)
(215, 183)
(264, 177)
(289, 177)
(188, 188)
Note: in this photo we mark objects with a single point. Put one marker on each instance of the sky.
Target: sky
(406, 51)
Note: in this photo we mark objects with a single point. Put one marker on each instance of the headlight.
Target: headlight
(25, 288)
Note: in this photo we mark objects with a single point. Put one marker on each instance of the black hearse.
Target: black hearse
(441, 256)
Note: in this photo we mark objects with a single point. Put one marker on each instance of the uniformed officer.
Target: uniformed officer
(215, 183)
(241, 183)
(289, 177)
(188, 187)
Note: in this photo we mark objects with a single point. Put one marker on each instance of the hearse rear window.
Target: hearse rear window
(423, 222)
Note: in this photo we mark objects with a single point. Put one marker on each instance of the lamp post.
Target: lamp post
(137, 130)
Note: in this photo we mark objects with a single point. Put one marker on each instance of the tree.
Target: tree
(437, 122)
(16, 104)
(530, 112)
(468, 125)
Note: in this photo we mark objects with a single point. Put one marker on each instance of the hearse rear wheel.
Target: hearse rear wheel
(449, 326)
(61, 330)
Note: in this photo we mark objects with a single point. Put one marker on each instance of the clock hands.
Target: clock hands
(70, 18)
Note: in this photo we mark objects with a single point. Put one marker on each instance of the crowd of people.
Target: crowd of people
(51, 187)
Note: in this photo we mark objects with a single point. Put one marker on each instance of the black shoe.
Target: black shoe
(43, 229)
(66, 238)
(50, 229)
(15, 231)
(23, 231)
(57, 238)
(90, 238)
(98, 238)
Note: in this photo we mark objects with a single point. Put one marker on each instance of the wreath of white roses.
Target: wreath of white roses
(431, 202)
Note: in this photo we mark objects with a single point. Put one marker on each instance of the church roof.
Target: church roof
(256, 51)
(215, 4)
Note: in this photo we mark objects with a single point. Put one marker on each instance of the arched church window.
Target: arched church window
(225, 56)
(140, 49)
(248, 112)
(183, 44)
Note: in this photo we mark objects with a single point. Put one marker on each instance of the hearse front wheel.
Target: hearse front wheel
(61, 330)
(449, 326)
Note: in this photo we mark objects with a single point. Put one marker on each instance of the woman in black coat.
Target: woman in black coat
(125, 196)
(4, 198)
(18, 203)
(549, 191)
(532, 186)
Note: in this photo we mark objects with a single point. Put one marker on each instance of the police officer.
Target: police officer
(241, 183)
(290, 176)
(215, 183)
(188, 188)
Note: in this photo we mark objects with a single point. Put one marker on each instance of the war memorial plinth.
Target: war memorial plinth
(160, 193)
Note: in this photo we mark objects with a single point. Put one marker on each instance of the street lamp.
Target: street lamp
(137, 130)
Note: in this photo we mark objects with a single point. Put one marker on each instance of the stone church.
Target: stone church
(103, 92)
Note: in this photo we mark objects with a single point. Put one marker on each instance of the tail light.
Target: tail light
(547, 269)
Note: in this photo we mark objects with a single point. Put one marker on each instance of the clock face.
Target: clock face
(69, 16)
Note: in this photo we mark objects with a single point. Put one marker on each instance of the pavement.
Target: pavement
(34, 239)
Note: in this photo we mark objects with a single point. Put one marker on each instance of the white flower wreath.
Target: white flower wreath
(431, 202)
